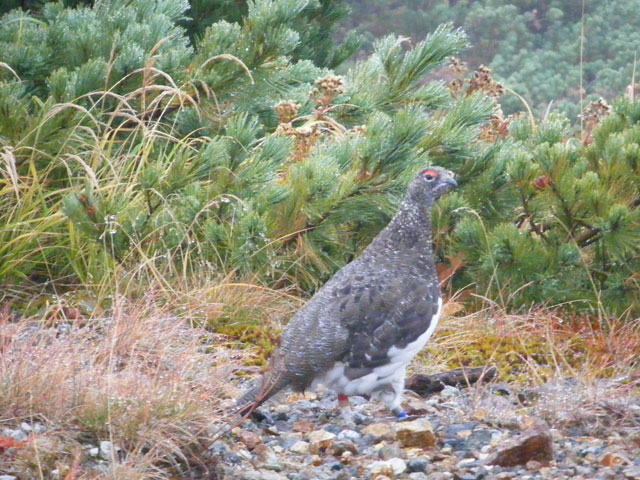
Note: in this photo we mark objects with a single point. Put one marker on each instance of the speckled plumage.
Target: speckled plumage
(361, 329)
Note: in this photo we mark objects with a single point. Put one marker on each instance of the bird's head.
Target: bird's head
(430, 183)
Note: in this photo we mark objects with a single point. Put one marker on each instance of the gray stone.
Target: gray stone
(39, 428)
(335, 429)
(270, 459)
(341, 446)
(359, 418)
(478, 439)
(106, 450)
(392, 467)
(282, 411)
(464, 476)
(262, 475)
(418, 465)
(16, 434)
(351, 435)
(417, 476)
(388, 452)
(449, 392)
(440, 476)
(632, 472)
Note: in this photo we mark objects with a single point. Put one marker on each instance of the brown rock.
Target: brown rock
(250, 439)
(380, 431)
(613, 459)
(417, 433)
(303, 426)
(534, 444)
(320, 441)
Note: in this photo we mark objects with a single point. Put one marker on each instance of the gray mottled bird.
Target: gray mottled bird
(359, 332)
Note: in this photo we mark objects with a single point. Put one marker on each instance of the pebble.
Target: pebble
(449, 392)
(418, 465)
(392, 467)
(17, 434)
(379, 431)
(269, 458)
(417, 476)
(250, 439)
(632, 472)
(262, 475)
(106, 450)
(388, 452)
(351, 435)
(342, 446)
(282, 412)
(300, 447)
(417, 433)
(440, 476)
(320, 440)
(315, 442)
(534, 444)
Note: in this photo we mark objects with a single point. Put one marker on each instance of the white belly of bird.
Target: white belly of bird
(391, 372)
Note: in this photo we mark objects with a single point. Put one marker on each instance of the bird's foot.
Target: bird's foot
(399, 413)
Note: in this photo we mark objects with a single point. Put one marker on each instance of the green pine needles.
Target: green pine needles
(154, 141)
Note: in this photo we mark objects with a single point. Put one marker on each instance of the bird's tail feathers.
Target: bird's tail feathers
(271, 383)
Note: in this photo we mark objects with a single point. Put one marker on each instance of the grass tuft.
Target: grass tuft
(139, 377)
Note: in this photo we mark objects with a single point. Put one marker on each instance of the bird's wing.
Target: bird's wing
(356, 318)
(395, 315)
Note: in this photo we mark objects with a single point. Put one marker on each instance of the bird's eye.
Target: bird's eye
(429, 174)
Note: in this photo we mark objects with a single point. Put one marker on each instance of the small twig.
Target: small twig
(461, 377)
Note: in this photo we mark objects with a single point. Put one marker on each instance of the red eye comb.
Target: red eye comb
(431, 172)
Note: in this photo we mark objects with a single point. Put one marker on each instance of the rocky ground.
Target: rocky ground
(471, 434)
(560, 430)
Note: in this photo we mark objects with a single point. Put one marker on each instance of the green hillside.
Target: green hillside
(545, 50)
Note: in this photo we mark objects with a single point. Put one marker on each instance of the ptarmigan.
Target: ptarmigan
(359, 332)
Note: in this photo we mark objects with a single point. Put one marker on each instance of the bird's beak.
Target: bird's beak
(452, 181)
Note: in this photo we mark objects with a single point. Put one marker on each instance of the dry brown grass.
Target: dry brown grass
(139, 377)
(571, 371)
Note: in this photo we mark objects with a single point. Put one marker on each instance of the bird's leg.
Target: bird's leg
(393, 401)
(399, 412)
(345, 409)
